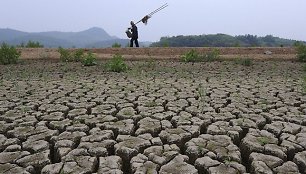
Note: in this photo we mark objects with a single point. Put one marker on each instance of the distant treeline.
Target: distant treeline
(223, 40)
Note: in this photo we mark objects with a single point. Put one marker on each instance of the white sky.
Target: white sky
(283, 18)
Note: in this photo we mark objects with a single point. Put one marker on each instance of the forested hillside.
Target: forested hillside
(223, 40)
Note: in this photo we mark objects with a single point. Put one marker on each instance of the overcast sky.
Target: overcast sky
(283, 18)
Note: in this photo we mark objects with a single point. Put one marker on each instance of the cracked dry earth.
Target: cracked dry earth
(160, 117)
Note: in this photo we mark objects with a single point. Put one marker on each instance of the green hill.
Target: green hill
(223, 40)
(92, 37)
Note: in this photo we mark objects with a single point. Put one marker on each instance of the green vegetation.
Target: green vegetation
(78, 55)
(89, 59)
(194, 56)
(244, 61)
(116, 45)
(223, 40)
(263, 140)
(212, 56)
(31, 44)
(151, 104)
(8, 54)
(116, 64)
(68, 56)
(191, 56)
(301, 51)
(65, 55)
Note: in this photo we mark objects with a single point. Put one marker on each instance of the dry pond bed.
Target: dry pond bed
(158, 117)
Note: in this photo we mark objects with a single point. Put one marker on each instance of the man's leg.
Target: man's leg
(131, 43)
(136, 43)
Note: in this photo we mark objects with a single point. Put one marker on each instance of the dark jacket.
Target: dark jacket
(134, 32)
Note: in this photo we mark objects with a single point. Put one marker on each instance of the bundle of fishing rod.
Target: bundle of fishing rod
(146, 18)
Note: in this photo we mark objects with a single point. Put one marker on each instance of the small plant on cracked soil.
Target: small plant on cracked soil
(263, 140)
(127, 113)
(244, 61)
(151, 104)
(8, 54)
(201, 94)
(194, 56)
(301, 51)
(89, 59)
(116, 64)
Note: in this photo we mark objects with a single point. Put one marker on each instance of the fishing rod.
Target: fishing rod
(146, 18)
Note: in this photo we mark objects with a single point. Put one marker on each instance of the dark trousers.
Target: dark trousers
(132, 41)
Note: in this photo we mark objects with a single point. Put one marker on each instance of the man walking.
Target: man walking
(134, 35)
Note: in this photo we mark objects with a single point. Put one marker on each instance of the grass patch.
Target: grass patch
(244, 61)
(151, 104)
(116, 64)
(89, 59)
(68, 56)
(194, 56)
(301, 51)
(8, 54)
(263, 140)
(116, 45)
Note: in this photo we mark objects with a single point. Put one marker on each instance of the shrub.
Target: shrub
(191, 56)
(116, 64)
(65, 55)
(244, 61)
(212, 56)
(116, 45)
(32, 44)
(78, 55)
(89, 59)
(194, 56)
(301, 52)
(8, 54)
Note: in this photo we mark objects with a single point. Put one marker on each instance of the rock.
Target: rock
(105, 109)
(128, 113)
(161, 154)
(130, 146)
(52, 168)
(287, 167)
(81, 164)
(110, 165)
(278, 127)
(256, 140)
(179, 135)
(38, 160)
(222, 168)
(178, 166)
(163, 115)
(36, 146)
(300, 160)
(268, 52)
(12, 168)
(123, 127)
(72, 114)
(270, 161)
(220, 145)
(12, 157)
(149, 125)
(259, 167)
(224, 128)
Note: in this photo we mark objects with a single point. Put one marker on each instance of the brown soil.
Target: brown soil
(278, 53)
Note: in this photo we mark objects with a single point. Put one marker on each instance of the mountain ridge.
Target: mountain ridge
(51, 39)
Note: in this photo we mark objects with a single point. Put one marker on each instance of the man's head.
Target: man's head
(132, 23)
